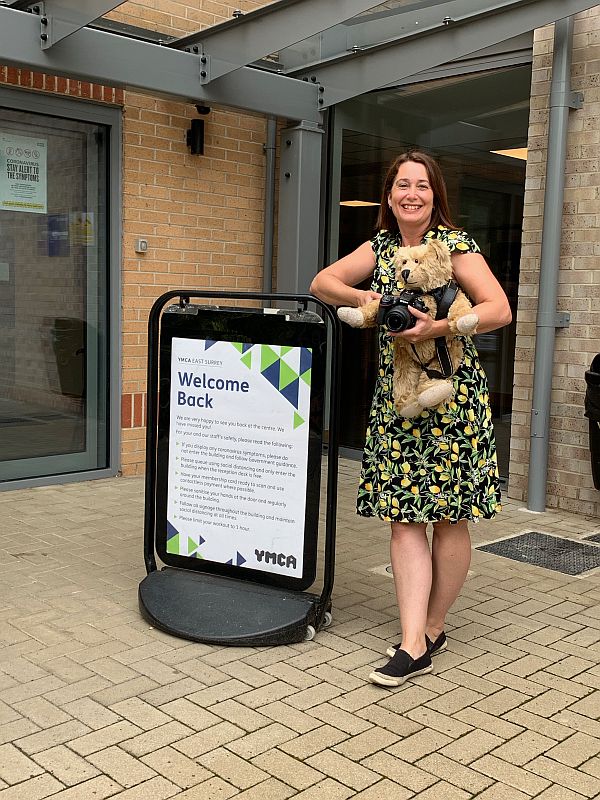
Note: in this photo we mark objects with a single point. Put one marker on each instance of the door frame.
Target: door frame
(111, 117)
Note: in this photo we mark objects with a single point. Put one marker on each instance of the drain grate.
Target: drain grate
(551, 552)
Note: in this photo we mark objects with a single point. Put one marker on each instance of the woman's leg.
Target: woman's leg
(451, 556)
(411, 565)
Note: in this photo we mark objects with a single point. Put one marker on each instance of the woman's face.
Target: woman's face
(411, 197)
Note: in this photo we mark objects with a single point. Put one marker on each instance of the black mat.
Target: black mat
(595, 537)
(551, 552)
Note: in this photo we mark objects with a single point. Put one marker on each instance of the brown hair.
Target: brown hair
(441, 213)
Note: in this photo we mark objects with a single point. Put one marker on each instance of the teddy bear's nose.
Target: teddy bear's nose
(405, 274)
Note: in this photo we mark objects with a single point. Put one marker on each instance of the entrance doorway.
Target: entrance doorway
(54, 296)
(476, 126)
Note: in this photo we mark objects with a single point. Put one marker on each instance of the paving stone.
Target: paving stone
(541, 725)
(313, 742)
(264, 739)
(559, 793)
(366, 743)
(105, 737)
(232, 768)
(456, 774)
(66, 766)
(471, 746)
(429, 718)
(97, 788)
(407, 775)
(238, 714)
(588, 707)
(337, 717)
(445, 790)
(58, 734)
(389, 720)
(290, 770)
(384, 790)
(570, 778)
(16, 767)
(156, 788)
(326, 790)
(177, 768)
(190, 714)
(518, 778)
(575, 750)
(42, 712)
(487, 722)
(121, 766)
(296, 720)
(500, 791)
(420, 744)
(209, 739)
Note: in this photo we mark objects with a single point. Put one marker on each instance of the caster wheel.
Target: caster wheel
(327, 619)
(310, 634)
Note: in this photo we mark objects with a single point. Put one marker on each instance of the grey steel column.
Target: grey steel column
(268, 227)
(299, 206)
(547, 318)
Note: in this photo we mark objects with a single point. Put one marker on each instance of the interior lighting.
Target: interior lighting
(357, 203)
(515, 152)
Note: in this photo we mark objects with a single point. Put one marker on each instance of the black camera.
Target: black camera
(394, 313)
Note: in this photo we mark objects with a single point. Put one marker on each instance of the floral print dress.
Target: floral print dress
(442, 464)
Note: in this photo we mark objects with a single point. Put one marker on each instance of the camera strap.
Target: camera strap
(444, 297)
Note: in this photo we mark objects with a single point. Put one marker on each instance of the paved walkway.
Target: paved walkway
(94, 703)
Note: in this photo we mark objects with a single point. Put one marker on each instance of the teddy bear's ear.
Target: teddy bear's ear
(440, 249)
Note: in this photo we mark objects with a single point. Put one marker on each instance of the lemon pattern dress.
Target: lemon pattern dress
(442, 464)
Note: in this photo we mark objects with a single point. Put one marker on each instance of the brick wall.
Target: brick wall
(202, 215)
(569, 480)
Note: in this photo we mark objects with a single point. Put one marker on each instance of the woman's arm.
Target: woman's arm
(335, 284)
(476, 279)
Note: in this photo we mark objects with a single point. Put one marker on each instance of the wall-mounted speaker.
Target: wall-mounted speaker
(195, 137)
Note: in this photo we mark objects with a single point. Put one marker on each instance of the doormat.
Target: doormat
(595, 537)
(551, 552)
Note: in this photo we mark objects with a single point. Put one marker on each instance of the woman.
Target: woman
(441, 466)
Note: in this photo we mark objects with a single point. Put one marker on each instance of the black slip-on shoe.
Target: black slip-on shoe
(433, 648)
(401, 667)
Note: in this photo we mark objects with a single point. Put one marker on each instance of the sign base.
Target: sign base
(219, 610)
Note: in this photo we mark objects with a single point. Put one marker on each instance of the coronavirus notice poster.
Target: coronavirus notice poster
(238, 450)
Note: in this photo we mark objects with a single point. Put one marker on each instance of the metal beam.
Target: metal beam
(113, 60)
(350, 76)
(61, 18)
(249, 37)
(299, 207)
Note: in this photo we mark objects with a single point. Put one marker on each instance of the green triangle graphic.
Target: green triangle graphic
(246, 359)
(173, 544)
(286, 375)
(297, 420)
(267, 357)
(286, 348)
(238, 346)
(192, 545)
(306, 376)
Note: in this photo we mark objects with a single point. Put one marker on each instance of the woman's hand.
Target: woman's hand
(363, 298)
(423, 329)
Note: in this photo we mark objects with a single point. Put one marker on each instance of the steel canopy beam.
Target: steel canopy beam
(61, 18)
(249, 37)
(116, 61)
(350, 76)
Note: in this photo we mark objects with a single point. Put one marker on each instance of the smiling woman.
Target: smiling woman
(436, 465)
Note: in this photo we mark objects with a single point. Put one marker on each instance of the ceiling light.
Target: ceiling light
(515, 152)
(357, 203)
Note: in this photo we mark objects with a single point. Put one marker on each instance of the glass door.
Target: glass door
(53, 296)
(476, 126)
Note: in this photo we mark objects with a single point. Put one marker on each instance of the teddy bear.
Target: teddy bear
(418, 383)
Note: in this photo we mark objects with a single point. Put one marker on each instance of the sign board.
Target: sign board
(239, 443)
(23, 173)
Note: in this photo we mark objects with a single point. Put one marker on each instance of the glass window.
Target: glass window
(53, 296)
(476, 126)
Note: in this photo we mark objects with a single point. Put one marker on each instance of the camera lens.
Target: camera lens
(399, 319)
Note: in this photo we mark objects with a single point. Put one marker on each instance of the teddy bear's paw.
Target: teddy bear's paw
(436, 394)
(467, 324)
(409, 410)
(351, 316)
